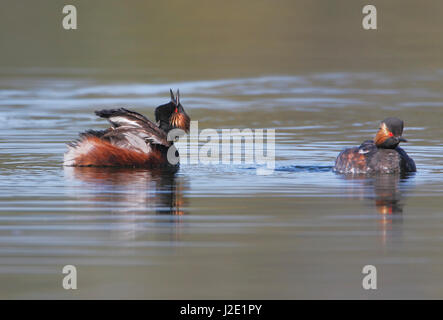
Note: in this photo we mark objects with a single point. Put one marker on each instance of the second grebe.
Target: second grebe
(132, 141)
(381, 155)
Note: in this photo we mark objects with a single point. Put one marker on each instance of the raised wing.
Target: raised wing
(128, 138)
(124, 117)
(126, 122)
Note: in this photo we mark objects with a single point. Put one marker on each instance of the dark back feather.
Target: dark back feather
(127, 122)
(124, 117)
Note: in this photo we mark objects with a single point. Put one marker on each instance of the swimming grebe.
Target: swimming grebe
(132, 141)
(382, 155)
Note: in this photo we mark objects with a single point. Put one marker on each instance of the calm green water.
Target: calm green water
(304, 68)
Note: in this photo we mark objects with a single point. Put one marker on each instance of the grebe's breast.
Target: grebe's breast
(367, 159)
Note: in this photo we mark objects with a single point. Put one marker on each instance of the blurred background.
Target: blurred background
(196, 39)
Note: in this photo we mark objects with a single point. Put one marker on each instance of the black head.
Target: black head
(172, 114)
(394, 125)
(390, 133)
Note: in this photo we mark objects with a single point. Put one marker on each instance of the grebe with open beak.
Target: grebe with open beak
(132, 140)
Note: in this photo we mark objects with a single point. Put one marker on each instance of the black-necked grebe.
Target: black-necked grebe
(132, 141)
(381, 155)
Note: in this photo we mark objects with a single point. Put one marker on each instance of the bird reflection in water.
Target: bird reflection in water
(385, 192)
(133, 195)
(141, 189)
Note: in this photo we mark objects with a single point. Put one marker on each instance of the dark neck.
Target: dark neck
(387, 146)
(165, 126)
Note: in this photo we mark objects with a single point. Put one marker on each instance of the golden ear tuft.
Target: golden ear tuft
(382, 135)
(181, 121)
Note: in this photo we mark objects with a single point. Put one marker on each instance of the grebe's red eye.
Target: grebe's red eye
(176, 110)
(391, 134)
